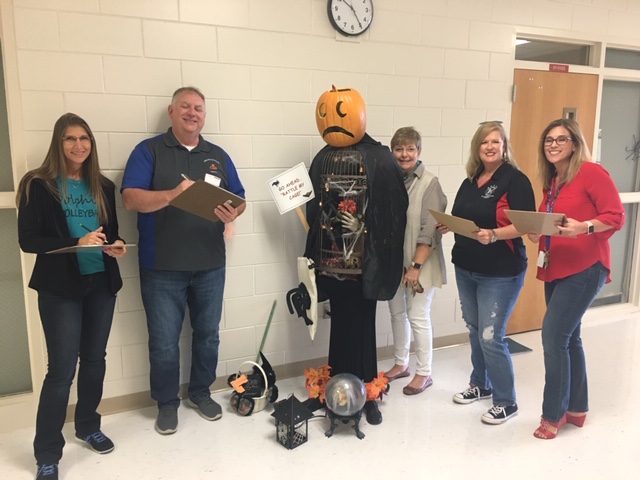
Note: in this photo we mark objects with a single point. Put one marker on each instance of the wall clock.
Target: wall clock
(350, 17)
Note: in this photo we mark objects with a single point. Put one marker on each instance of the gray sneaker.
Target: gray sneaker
(206, 407)
(167, 421)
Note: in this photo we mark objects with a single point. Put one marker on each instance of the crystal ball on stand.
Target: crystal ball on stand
(345, 394)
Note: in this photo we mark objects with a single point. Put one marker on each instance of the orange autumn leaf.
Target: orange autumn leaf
(377, 387)
(316, 381)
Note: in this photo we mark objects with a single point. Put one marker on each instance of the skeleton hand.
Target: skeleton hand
(350, 222)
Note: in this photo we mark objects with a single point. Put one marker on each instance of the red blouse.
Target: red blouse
(591, 195)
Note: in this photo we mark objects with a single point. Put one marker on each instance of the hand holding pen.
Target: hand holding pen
(94, 237)
(182, 186)
(117, 249)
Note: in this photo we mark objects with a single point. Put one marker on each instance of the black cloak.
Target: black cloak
(385, 217)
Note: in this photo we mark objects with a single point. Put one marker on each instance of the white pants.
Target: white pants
(412, 314)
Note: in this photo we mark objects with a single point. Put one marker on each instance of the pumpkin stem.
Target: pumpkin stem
(333, 88)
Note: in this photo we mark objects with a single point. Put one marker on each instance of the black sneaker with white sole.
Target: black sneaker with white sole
(471, 395)
(499, 414)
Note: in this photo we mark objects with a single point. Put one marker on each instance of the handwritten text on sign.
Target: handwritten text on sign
(291, 188)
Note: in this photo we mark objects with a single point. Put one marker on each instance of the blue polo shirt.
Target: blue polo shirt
(170, 238)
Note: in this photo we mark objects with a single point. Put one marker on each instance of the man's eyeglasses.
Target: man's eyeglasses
(71, 140)
(561, 140)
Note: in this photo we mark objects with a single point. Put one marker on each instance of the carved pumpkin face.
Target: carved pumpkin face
(341, 117)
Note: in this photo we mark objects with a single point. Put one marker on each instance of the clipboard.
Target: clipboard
(458, 225)
(202, 197)
(89, 248)
(536, 222)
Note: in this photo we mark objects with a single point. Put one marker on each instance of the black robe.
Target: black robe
(352, 347)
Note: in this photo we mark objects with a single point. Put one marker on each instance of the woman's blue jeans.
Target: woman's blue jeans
(73, 327)
(565, 387)
(165, 295)
(487, 303)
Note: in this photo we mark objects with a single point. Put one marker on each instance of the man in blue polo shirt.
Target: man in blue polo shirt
(181, 255)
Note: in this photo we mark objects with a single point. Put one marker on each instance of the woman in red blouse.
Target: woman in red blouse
(574, 265)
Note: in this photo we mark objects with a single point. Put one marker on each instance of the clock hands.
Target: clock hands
(355, 14)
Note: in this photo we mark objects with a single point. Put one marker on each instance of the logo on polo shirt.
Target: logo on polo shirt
(214, 164)
(488, 193)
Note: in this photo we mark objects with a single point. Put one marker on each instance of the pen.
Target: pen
(89, 230)
(185, 177)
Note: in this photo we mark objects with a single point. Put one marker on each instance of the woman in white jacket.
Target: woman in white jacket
(424, 265)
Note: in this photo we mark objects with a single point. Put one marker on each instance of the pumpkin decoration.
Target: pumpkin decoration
(341, 117)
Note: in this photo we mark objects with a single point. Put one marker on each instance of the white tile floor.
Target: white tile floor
(426, 436)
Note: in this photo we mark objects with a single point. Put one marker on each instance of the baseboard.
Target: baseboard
(135, 401)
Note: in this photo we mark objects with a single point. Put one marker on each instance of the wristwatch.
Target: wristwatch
(494, 237)
(590, 228)
(417, 266)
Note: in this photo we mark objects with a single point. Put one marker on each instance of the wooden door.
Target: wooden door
(540, 98)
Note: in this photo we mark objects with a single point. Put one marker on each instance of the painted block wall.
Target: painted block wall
(442, 66)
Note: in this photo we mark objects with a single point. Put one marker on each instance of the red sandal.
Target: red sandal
(577, 420)
(544, 430)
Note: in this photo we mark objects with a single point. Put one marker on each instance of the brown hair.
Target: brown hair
(406, 135)
(581, 153)
(55, 165)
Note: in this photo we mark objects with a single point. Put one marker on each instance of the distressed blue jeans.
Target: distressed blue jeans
(165, 295)
(487, 302)
(565, 386)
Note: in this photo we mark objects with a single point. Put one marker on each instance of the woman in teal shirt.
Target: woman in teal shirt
(67, 202)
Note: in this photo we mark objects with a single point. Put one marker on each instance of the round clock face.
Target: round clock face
(350, 17)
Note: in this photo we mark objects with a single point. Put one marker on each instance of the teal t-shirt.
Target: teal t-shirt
(80, 208)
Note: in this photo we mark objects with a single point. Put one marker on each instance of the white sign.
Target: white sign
(291, 189)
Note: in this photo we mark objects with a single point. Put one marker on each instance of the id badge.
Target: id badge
(212, 179)
(543, 259)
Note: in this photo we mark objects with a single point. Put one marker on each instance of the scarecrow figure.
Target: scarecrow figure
(357, 222)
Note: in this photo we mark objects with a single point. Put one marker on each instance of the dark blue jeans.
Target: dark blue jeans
(165, 295)
(77, 327)
(565, 386)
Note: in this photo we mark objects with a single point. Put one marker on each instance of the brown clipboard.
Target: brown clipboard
(89, 248)
(536, 222)
(201, 198)
(458, 225)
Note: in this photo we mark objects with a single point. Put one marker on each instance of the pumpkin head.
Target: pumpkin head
(341, 117)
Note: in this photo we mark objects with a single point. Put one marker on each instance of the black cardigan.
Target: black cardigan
(42, 227)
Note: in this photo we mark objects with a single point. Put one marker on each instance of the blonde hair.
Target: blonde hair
(546, 170)
(55, 165)
(474, 164)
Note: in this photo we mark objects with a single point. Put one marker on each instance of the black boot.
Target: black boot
(374, 417)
